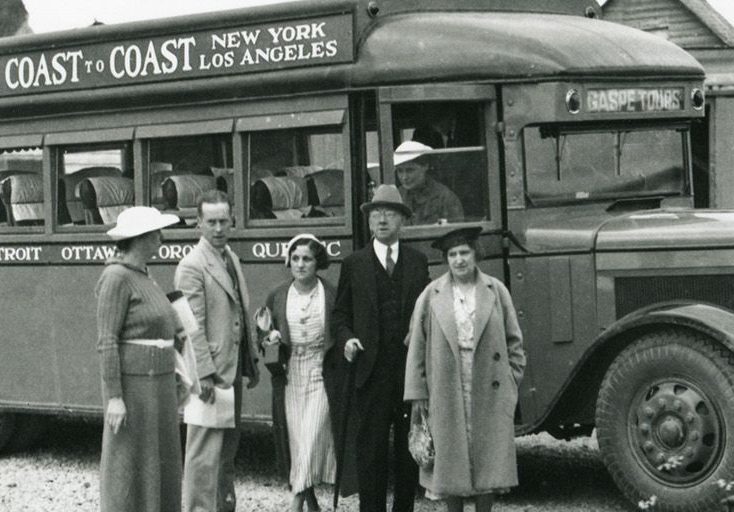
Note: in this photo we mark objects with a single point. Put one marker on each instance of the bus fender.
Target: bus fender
(711, 320)
(575, 401)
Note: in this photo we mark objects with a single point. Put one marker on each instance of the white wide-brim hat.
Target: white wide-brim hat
(138, 220)
(410, 150)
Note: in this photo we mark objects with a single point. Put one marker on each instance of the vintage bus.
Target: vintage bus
(566, 138)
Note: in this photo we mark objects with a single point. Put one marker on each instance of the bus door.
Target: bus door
(456, 182)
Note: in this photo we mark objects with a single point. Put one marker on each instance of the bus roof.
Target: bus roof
(406, 41)
(497, 46)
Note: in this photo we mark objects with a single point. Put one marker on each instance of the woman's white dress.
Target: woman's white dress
(310, 439)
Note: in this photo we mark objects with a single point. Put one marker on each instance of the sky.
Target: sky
(52, 15)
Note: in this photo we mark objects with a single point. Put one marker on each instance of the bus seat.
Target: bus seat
(71, 182)
(279, 197)
(257, 173)
(22, 195)
(299, 171)
(105, 197)
(180, 193)
(5, 173)
(159, 172)
(224, 177)
(329, 191)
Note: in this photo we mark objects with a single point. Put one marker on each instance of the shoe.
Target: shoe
(312, 503)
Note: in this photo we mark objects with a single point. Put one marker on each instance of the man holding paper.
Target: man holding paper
(211, 278)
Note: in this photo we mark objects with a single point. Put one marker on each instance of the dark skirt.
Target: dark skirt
(140, 469)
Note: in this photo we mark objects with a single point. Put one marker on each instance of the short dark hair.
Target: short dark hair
(318, 251)
(124, 244)
(474, 245)
(213, 196)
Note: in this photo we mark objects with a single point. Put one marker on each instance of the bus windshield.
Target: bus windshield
(577, 166)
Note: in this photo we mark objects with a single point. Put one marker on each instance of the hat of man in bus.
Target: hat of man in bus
(386, 196)
(410, 150)
(138, 220)
(457, 237)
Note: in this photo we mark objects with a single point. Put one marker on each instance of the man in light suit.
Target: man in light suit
(211, 278)
(378, 287)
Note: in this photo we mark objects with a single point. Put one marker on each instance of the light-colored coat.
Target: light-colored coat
(202, 276)
(433, 373)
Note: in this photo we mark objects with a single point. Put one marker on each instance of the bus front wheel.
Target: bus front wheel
(665, 420)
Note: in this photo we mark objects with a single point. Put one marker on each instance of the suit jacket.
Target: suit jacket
(356, 314)
(202, 276)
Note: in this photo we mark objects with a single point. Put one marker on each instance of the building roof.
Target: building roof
(706, 13)
(712, 19)
(13, 18)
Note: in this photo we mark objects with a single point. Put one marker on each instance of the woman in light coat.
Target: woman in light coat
(465, 362)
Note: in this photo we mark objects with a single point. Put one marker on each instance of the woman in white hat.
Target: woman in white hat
(140, 469)
(299, 312)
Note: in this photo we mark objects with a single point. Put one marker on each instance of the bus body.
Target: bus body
(568, 143)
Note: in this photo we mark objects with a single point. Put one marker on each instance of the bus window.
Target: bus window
(182, 168)
(297, 175)
(95, 183)
(21, 187)
(582, 166)
(448, 183)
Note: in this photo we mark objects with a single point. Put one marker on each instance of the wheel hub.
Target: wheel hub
(678, 431)
(671, 432)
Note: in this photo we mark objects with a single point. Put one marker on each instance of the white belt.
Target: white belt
(150, 343)
(301, 349)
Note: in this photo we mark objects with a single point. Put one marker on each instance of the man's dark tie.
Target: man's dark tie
(231, 271)
(389, 263)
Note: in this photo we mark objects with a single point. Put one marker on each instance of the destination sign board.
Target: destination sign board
(71, 254)
(234, 50)
(662, 99)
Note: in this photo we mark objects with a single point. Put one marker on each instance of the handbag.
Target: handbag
(269, 341)
(420, 441)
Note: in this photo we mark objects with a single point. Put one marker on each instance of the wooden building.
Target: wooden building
(699, 28)
(13, 18)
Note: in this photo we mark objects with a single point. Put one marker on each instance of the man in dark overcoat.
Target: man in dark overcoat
(378, 287)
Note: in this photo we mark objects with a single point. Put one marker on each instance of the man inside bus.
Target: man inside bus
(211, 278)
(437, 126)
(431, 202)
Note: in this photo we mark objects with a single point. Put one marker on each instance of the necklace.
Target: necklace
(305, 303)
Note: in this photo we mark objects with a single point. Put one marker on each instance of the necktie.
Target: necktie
(389, 263)
(231, 271)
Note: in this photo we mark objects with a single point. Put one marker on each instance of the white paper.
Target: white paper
(220, 414)
(187, 317)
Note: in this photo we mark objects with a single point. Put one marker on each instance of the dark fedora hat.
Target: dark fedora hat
(456, 237)
(386, 196)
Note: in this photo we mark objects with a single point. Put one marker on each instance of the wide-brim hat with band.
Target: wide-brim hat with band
(300, 236)
(410, 150)
(138, 220)
(457, 237)
(386, 196)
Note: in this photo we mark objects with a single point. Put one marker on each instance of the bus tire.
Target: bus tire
(665, 420)
(7, 427)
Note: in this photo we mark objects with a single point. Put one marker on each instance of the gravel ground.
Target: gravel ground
(61, 473)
